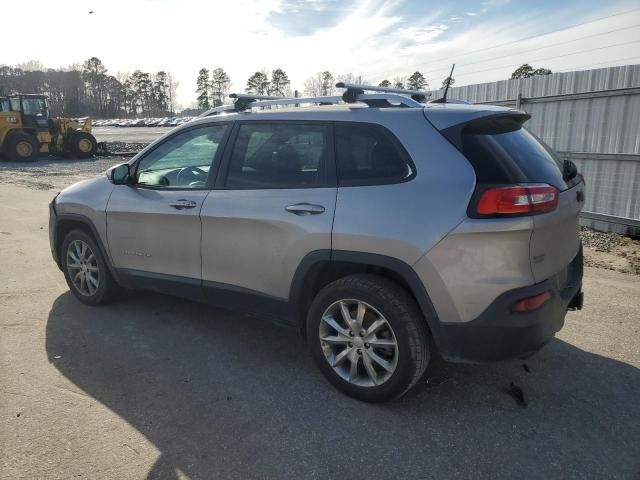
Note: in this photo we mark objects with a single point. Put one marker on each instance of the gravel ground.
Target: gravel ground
(611, 251)
(160, 388)
(51, 173)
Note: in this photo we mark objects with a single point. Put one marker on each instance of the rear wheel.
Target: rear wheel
(85, 269)
(84, 145)
(368, 337)
(22, 147)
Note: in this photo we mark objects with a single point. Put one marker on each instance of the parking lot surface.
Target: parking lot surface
(161, 388)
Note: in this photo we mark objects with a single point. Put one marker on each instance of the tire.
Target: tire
(83, 145)
(22, 147)
(95, 267)
(381, 299)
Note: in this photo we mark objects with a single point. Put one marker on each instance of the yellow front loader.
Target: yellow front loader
(27, 130)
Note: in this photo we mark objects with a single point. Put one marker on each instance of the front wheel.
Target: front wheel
(85, 269)
(368, 337)
(84, 145)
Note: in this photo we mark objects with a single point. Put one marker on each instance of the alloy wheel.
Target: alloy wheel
(82, 267)
(358, 342)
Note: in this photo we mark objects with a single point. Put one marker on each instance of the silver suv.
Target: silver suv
(388, 231)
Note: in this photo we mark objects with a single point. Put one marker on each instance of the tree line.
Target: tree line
(89, 89)
(212, 89)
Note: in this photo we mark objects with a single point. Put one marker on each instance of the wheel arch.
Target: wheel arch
(322, 267)
(67, 222)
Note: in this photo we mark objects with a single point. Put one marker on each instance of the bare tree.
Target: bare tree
(313, 85)
(399, 82)
(173, 87)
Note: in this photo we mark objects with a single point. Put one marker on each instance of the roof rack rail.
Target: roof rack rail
(356, 88)
(379, 100)
(241, 103)
(242, 100)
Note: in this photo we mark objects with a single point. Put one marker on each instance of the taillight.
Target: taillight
(531, 304)
(518, 200)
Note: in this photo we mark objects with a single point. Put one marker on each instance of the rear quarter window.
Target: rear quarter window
(504, 152)
(370, 155)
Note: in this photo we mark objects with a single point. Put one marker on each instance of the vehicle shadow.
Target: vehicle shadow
(223, 395)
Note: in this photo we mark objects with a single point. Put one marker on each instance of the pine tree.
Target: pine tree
(417, 81)
(327, 83)
(204, 86)
(220, 83)
(279, 82)
(258, 83)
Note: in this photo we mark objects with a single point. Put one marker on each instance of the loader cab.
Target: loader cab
(34, 110)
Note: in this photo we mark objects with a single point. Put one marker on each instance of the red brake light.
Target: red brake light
(518, 199)
(530, 304)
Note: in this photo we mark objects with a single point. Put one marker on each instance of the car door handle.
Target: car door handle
(182, 204)
(305, 209)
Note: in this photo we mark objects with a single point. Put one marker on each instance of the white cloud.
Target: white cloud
(370, 38)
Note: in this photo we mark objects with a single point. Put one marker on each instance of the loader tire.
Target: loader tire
(22, 147)
(83, 145)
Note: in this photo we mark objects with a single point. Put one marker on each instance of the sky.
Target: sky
(376, 39)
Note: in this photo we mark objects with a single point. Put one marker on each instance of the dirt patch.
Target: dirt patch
(611, 251)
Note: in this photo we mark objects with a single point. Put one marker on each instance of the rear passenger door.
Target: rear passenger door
(273, 204)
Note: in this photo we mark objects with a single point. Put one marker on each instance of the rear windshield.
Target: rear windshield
(504, 152)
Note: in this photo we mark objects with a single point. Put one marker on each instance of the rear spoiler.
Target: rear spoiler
(494, 123)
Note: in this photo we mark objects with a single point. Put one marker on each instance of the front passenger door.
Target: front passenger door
(153, 223)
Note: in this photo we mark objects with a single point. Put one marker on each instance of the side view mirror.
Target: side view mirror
(118, 175)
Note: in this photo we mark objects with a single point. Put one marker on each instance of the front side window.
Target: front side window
(279, 155)
(367, 155)
(182, 161)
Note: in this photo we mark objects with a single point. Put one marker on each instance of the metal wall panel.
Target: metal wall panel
(607, 123)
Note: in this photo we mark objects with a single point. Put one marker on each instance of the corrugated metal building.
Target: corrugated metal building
(591, 117)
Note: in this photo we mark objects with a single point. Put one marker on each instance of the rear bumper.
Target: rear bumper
(500, 334)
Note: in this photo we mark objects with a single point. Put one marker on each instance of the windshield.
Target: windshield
(34, 106)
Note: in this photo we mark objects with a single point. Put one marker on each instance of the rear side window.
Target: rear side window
(279, 155)
(369, 155)
(503, 152)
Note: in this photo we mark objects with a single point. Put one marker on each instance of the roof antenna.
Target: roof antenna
(446, 88)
